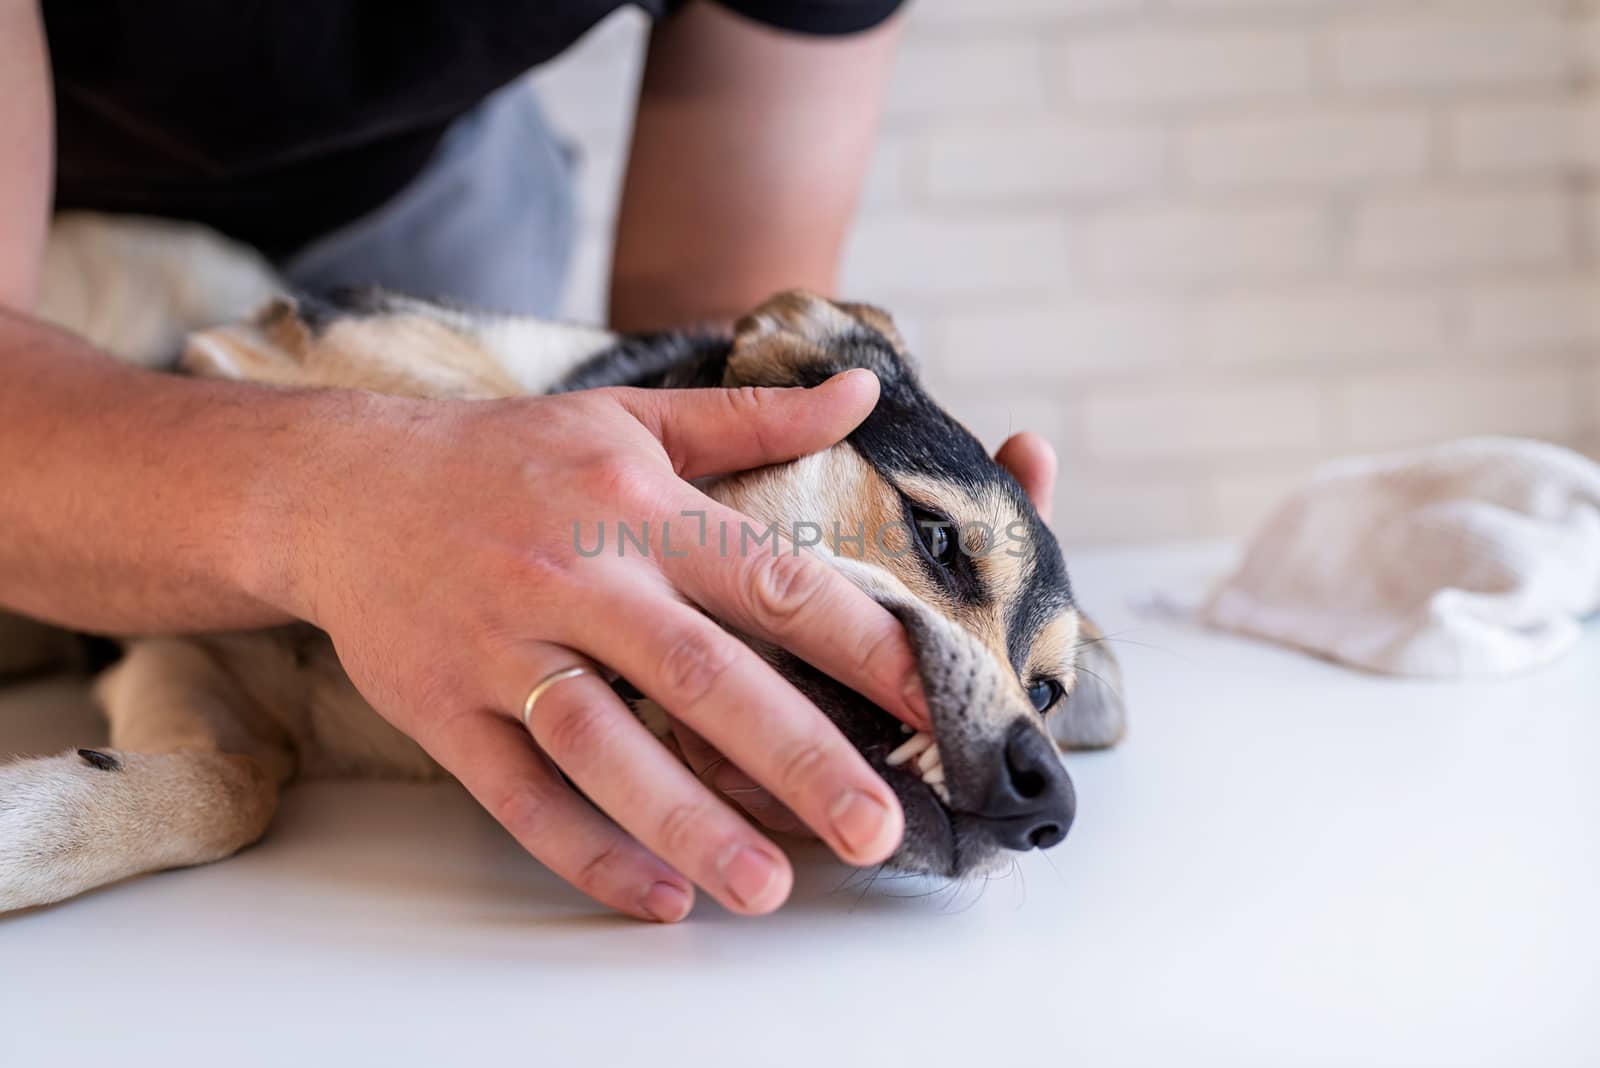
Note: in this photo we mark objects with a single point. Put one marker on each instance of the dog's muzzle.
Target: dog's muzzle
(988, 778)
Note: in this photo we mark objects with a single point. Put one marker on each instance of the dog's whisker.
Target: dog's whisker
(1102, 680)
(960, 885)
(865, 890)
(939, 889)
(1084, 643)
(1061, 878)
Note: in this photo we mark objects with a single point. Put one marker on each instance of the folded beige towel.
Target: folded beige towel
(1472, 559)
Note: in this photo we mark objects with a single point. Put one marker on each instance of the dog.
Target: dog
(206, 729)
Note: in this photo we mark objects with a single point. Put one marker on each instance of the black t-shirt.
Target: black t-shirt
(278, 120)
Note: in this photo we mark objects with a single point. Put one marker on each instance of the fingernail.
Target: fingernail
(857, 371)
(666, 902)
(859, 819)
(749, 875)
(916, 699)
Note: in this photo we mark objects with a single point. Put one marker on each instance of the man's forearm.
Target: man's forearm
(748, 154)
(138, 502)
(27, 155)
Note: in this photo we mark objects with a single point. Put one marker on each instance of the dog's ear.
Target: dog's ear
(875, 318)
(799, 339)
(1093, 716)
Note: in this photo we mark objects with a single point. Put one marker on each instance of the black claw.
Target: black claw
(96, 759)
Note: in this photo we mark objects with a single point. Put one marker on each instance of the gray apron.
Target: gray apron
(490, 221)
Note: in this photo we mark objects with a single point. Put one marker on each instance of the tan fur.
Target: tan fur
(879, 320)
(379, 354)
(1055, 649)
(1096, 717)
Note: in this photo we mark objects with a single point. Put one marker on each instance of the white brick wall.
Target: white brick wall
(1063, 341)
(1133, 422)
(1530, 315)
(1049, 161)
(1308, 149)
(894, 255)
(1407, 48)
(1317, 328)
(1181, 65)
(1384, 411)
(1446, 231)
(1552, 134)
(1206, 244)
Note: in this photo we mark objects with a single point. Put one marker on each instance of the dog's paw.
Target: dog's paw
(47, 825)
(72, 822)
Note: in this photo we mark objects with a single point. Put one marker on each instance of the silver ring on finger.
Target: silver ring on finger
(543, 686)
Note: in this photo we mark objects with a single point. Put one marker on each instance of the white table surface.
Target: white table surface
(1286, 863)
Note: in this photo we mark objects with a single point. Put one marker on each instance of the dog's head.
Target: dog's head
(914, 510)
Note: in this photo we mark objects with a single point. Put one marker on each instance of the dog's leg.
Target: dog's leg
(191, 776)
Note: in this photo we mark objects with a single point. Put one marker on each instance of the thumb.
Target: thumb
(715, 431)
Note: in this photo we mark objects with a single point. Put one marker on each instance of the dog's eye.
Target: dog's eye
(942, 553)
(1044, 694)
(938, 539)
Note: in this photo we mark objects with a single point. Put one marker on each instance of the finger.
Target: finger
(495, 759)
(795, 600)
(615, 761)
(714, 431)
(706, 678)
(1032, 462)
(720, 773)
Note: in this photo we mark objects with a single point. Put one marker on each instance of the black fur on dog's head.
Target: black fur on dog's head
(987, 603)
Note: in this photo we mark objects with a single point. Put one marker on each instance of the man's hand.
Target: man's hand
(435, 543)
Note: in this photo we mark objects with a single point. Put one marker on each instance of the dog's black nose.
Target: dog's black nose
(1031, 803)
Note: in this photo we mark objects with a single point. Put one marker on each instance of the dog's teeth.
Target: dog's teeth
(922, 753)
(909, 748)
(905, 728)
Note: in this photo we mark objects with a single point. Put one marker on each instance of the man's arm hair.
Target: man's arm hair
(129, 501)
(749, 150)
